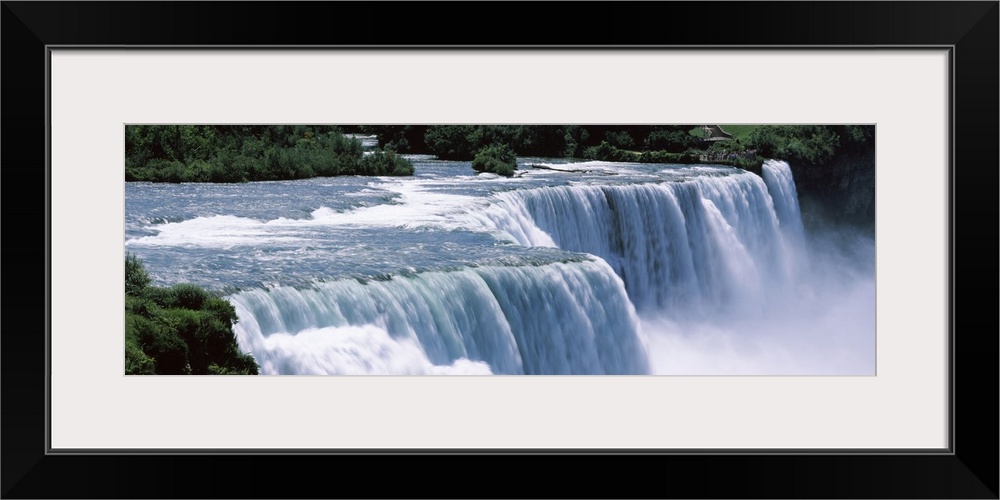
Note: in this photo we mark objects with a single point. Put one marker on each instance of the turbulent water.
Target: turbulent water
(610, 269)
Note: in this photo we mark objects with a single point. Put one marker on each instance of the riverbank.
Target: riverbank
(233, 154)
(179, 330)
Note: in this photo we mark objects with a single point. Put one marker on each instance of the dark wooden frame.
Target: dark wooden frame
(969, 30)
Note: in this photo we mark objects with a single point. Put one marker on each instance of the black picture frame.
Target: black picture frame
(968, 470)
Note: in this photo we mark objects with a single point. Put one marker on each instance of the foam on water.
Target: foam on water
(553, 319)
(686, 247)
(660, 269)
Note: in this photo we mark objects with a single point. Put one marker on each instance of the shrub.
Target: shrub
(183, 329)
(809, 144)
(136, 361)
(136, 278)
(385, 162)
(166, 170)
(238, 153)
(141, 305)
(197, 171)
(453, 142)
(670, 140)
(188, 296)
(159, 342)
(619, 139)
(601, 152)
(496, 158)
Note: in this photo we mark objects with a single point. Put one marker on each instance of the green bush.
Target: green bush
(385, 162)
(183, 329)
(228, 153)
(607, 152)
(454, 142)
(197, 171)
(136, 277)
(161, 170)
(619, 139)
(160, 342)
(602, 152)
(496, 158)
(674, 140)
(191, 296)
(141, 304)
(808, 144)
(136, 361)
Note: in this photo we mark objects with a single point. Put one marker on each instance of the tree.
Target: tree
(496, 158)
(670, 139)
(136, 277)
(183, 329)
(454, 142)
(810, 144)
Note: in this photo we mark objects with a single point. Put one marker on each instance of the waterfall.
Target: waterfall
(700, 246)
(718, 248)
(781, 185)
(572, 318)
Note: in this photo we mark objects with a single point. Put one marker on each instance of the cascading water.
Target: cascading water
(657, 269)
(707, 244)
(781, 186)
(558, 318)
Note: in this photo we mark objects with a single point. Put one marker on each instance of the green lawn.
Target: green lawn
(697, 132)
(738, 131)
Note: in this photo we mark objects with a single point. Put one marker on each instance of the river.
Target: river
(610, 269)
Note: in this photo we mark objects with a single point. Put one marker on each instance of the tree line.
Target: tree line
(809, 144)
(463, 142)
(242, 153)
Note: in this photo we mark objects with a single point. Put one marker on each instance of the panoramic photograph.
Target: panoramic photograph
(501, 249)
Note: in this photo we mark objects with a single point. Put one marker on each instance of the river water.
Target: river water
(580, 268)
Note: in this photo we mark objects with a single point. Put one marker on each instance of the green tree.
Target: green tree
(385, 162)
(454, 142)
(619, 139)
(811, 144)
(178, 330)
(670, 139)
(239, 153)
(136, 277)
(496, 158)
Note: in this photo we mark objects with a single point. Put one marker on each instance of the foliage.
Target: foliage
(619, 139)
(239, 153)
(183, 329)
(461, 142)
(855, 139)
(399, 138)
(453, 142)
(573, 137)
(602, 151)
(698, 132)
(158, 342)
(496, 158)
(385, 162)
(807, 144)
(671, 139)
(136, 277)
(607, 152)
(136, 361)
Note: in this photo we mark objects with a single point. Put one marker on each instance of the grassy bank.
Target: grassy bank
(178, 330)
(242, 153)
